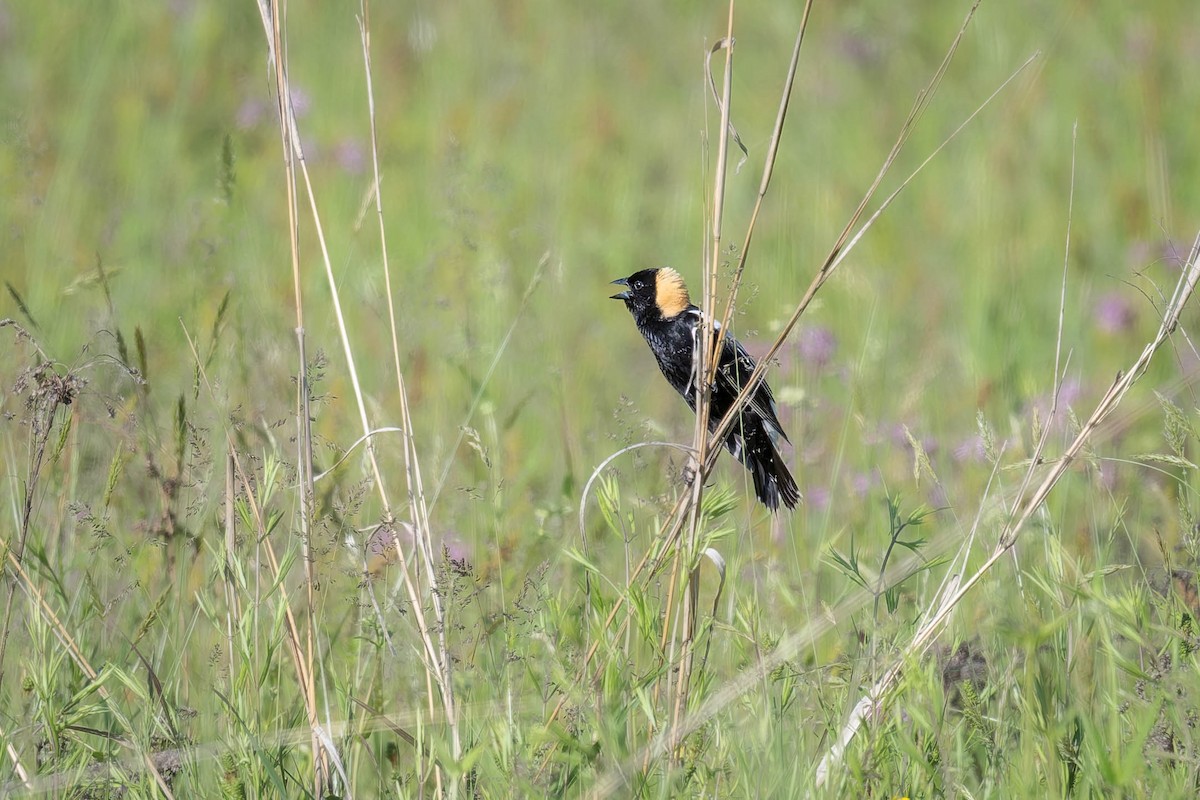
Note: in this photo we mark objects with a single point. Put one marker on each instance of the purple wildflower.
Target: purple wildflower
(1113, 313)
(250, 113)
(862, 483)
(817, 345)
(818, 498)
(350, 156)
(301, 102)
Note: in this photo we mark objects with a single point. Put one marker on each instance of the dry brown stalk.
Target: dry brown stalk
(955, 591)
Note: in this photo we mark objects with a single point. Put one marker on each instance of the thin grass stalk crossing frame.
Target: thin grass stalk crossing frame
(845, 243)
(437, 665)
(871, 703)
(439, 657)
(302, 665)
(272, 14)
(710, 345)
(768, 171)
(687, 565)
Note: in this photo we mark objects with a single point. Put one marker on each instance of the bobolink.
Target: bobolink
(659, 302)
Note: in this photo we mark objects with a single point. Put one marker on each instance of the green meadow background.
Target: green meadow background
(530, 153)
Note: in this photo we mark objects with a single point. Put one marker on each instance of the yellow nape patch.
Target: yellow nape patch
(670, 293)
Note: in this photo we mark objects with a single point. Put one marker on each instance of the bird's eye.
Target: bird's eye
(638, 284)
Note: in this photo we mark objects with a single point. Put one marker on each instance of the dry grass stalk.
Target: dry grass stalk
(944, 605)
(681, 652)
(845, 242)
(437, 661)
(439, 657)
(707, 363)
(768, 170)
(302, 664)
(292, 152)
(44, 417)
(76, 653)
(15, 758)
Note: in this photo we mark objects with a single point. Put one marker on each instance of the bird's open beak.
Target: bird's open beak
(622, 295)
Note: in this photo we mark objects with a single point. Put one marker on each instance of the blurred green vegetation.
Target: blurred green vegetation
(558, 146)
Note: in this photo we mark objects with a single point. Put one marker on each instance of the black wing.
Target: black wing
(736, 367)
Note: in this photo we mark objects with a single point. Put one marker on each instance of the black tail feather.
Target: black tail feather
(773, 483)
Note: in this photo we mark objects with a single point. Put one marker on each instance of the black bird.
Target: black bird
(659, 302)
